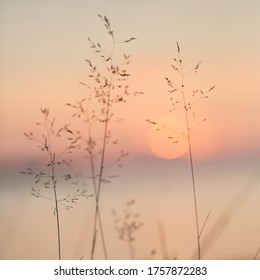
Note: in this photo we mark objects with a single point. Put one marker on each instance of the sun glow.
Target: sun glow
(167, 138)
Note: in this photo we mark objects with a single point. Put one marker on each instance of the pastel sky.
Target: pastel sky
(43, 48)
(44, 45)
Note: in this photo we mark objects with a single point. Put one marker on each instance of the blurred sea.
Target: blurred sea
(163, 199)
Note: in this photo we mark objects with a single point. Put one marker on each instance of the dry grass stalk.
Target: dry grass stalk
(109, 87)
(127, 226)
(50, 177)
(181, 99)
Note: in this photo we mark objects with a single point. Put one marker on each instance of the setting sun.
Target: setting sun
(167, 138)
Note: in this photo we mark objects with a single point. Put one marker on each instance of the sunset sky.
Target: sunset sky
(43, 47)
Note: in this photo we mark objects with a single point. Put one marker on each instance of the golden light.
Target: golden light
(166, 137)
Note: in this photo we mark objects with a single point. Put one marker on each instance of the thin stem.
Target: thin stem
(190, 157)
(256, 254)
(56, 212)
(100, 175)
(52, 159)
(163, 243)
(98, 189)
(97, 210)
(130, 248)
(129, 241)
(204, 224)
(195, 199)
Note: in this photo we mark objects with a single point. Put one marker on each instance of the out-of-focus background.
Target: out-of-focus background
(42, 52)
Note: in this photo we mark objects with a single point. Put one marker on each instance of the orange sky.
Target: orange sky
(43, 51)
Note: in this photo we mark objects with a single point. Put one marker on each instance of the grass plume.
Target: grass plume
(51, 178)
(181, 99)
(108, 87)
(127, 225)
